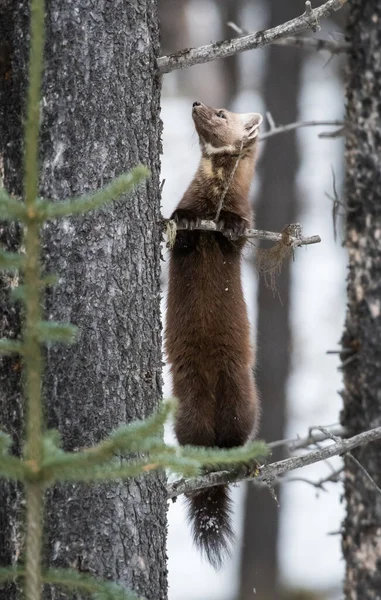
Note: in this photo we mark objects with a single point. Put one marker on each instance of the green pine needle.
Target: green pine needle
(96, 588)
(19, 294)
(10, 208)
(257, 450)
(50, 280)
(13, 468)
(67, 578)
(139, 436)
(10, 261)
(10, 346)
(5, 442)
(10, 574)
(83, 204)
(52, 331)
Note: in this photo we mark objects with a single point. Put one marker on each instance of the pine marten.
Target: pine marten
(207, 327)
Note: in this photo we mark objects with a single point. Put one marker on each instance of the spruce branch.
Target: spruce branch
(138, 436)
(78, 206)
(188, 57)
(11, 209)
(32, 352)
(51, 331)
(100, 464)
(18, 293)
(73, 580)
(13, 468)
(11, 261)
(5, 442)
(82, 582)
(10, 347)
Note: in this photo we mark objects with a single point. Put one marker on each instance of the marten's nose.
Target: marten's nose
(196, 103)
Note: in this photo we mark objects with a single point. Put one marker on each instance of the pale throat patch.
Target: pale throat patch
(209, 149)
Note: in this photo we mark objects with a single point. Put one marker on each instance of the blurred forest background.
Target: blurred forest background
(291, 551)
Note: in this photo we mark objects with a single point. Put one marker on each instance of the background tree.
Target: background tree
(361, 342)
(100, 116)
(276, 204)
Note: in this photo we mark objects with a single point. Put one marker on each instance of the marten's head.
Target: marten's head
(224, 132)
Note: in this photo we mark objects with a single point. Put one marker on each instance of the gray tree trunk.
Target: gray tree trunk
(100, 117)
(277, 206)
(362, 335)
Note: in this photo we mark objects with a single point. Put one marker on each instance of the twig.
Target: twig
(206, 225)
(298, 125)
(270, 472)
(336, 204)
(193, 56)
(308, 43)
(354, 460)
(333, 477)
(332, 134)
(310, 440)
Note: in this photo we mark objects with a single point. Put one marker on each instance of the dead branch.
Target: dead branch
(188, 57)
(294, 239)
(314, 437)
(333, 477)
(353, 459)
(277, 129)
(268, 473)
(307, 43)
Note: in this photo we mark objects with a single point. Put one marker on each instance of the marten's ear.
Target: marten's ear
(251, 123)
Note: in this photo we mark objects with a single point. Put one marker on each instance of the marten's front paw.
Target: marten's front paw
(232, 226)
(186, 219)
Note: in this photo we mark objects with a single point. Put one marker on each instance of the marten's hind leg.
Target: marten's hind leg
(237, 407)
(195, 416)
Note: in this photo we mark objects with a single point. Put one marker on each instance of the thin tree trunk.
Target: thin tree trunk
(362, 335)
(100, 117)
(277, 205)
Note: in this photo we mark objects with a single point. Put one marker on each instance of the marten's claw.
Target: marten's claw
(186, 219)
(232, 226)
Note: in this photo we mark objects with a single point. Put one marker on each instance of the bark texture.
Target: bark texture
(362, 336)
(100, 117)
(277, 206)
(12, 88)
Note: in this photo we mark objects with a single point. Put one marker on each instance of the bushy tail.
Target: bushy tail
(209, 514)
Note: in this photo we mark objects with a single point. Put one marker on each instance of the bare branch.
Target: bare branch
(308, 43)
(298, 125)
(193, 56)
(268, 473)
(310, 440)
(293, 240)
(333, 477)
(363, 470)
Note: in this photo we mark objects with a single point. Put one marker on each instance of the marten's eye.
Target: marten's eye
(221, 114)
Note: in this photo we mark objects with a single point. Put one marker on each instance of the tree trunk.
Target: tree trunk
(277, 206)
(230, 11)
(362, 335)
(100, 117)
(12, 95)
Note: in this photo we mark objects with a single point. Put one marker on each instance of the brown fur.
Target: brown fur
(207, 331)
